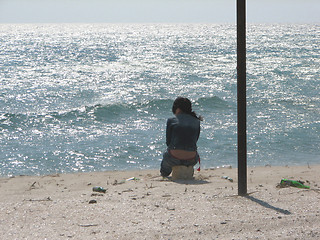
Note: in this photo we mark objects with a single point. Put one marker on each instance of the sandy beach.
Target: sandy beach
(143, 205)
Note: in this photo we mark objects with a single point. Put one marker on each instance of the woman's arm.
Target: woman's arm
(169, 131)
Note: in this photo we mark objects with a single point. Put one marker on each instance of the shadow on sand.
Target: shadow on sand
(189, 182)
(267, 205)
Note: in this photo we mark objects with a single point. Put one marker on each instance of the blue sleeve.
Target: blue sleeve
(198, 135)
(169, 131)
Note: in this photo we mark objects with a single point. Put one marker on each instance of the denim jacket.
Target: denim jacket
(183, 132)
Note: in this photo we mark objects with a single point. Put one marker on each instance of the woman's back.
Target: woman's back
(183, 132)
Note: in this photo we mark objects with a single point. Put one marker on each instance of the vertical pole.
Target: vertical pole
(241, 90)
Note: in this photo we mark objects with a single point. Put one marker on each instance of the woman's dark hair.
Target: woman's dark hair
(185, 105)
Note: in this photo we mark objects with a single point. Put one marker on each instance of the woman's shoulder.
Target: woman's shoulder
(172, 119)
(191, 119)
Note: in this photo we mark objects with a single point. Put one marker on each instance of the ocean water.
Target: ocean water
(95, 97)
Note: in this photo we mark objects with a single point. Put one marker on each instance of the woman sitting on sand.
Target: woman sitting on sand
(182, 135)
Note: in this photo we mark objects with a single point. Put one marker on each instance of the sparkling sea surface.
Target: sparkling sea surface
(95, 97)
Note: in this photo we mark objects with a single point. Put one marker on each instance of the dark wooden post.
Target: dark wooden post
(241, 89)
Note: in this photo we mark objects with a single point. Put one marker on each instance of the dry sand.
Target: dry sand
(57, 206)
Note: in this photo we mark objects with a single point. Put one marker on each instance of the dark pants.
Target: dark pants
(169, 161)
